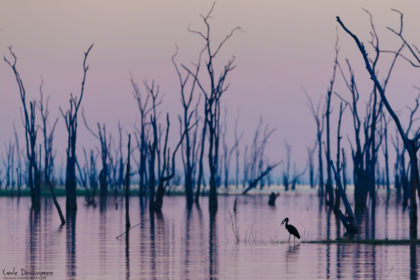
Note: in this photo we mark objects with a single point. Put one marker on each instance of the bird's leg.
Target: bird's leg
(289, 238)
(294, 239)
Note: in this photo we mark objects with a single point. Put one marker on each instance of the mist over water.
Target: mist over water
(182, 244)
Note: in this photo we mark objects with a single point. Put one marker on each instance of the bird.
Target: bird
(291, 229)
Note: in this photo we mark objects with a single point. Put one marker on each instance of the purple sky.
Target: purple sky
(286, 45)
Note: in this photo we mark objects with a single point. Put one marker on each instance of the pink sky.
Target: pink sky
(286, 45)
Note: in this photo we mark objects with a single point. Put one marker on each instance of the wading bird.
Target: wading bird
(291, 229)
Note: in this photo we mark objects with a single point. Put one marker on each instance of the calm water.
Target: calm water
(183, 244)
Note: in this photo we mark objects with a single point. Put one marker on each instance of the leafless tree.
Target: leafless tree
(142, 137)
(31, 130)
(104, 139)
(257, 165)
(319, 120)
(19, 169)
(411, 144)
(187, 89)
(127, 186)
(330, 90)
(286, 172)
(385, 151)
(49, 153)
(213, 93)
(48, 135)
(70, 118)
(310, 152)
(8, 163)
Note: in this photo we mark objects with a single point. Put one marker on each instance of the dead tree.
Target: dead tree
(200, 174)
(310, 152)
(348, 220)
(411, 144)
(385, 122)
(319, 120)
(121, 179)
(338, 163)
(70, 118)
(105, 143)
(48, 149)
(48, 134)
(265, 172)
(213, 93)
(237, 150)
(8, 163)
(19, 170)
(258, 165)
(154, 143)
(330, 90)
(344, 168)
(228, 151)
(31, 130)
(127, 186)
(364, 151)
(187, 88)
(142, 140)
(296, 176)
(167, 170)
(286, 171)
(88, 177)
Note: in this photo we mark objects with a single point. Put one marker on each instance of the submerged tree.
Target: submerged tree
(104, 142)
(213, 92)
(411, 144)
(70, 118)
(31, 129)
(257, 164)
(187, 89)
(319, 120)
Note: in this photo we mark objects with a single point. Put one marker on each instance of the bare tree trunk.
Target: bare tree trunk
(70, 117)
(127, 186)
(411, 145)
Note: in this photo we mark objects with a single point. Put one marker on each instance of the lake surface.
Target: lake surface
(182, 244)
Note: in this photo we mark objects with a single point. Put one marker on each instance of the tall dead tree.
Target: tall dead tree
(228, 151)
(154, 143)
(141, 137)
(410, 143)
(167, 170)
(105, 143)
(187, 88)
(31, 130)
(127, 186)
(213, 93)
(48, 136)
(330, 90)
(49, 154)
(385, 151)
(319, 121)
(70, 118)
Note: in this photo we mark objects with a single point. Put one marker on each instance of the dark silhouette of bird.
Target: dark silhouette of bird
(291, 229)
